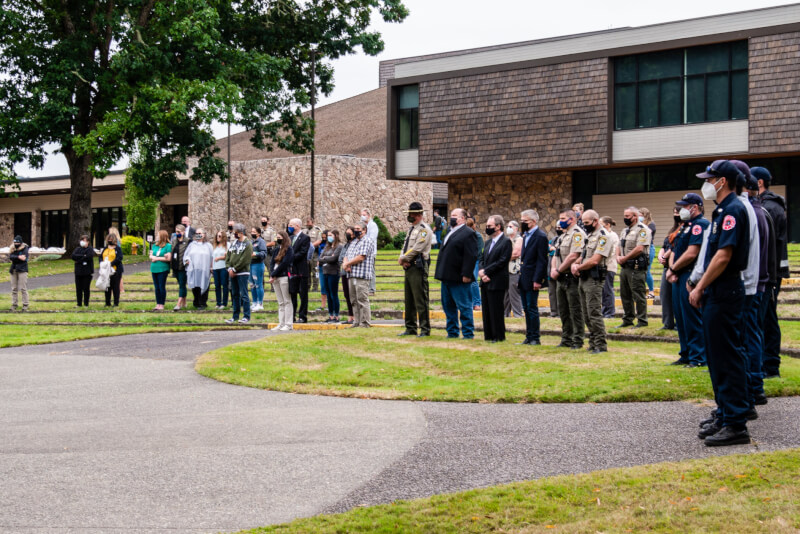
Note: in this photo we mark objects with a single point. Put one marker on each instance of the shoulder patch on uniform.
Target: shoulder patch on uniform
(643, 233)
(729, 222)
(602, 240)
(697, 229)
(424, 233)
(577, 238)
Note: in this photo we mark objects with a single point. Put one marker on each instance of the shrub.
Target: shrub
(389, 246)
(398, 240)
(47, 257)
(384, 237)
(128, 240)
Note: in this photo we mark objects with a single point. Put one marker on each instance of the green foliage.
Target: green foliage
(141, 210)
(102, 80)
(389, 246)
(47, 257)
(9, 182)
(398, 240)
(384, 237)
(129, 240)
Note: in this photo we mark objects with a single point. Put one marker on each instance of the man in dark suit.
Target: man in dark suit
(189, 228)
(454, 269)
(298, 282)
(494, 279)
(533, 273)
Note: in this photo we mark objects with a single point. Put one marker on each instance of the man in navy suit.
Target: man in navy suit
(454, 269)
(494, 279)
(533, 272)
(298, 282)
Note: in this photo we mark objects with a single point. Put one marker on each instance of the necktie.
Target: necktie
(405, 245)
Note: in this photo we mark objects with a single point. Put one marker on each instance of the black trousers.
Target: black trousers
(298, 285)
(346, 291)
(771, 362)
(200, 297)
(113, 288)
(493, 308)
(82, 284)
(609, 298)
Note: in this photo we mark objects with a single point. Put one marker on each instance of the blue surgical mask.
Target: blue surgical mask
(330, 239)
(641, 219)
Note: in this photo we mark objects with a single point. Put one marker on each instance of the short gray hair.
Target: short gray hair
(239, 227)
(498, 220)
(634, 209)
(531, 214)
(296, 222)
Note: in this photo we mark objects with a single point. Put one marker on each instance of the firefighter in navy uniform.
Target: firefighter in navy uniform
(415, 258)
(685, 253)
(720, 293)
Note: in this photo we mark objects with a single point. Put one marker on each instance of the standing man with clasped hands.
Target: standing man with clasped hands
(454, 269)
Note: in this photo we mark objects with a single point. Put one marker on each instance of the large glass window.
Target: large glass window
(408, 117)
(685, 86)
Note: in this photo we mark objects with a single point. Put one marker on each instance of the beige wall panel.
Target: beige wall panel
(681, 141)
(406, 163)
(660, 205)
(100, 199)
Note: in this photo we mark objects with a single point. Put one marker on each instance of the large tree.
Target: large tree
(103, 79)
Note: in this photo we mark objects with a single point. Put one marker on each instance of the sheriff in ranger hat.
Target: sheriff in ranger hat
(415, 258)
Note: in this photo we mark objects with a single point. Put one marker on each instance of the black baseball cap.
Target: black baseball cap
(690, 198)
(18, 239)
(722, 168)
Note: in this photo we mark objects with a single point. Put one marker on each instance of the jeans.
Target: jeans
(239, 296)
(331, 284)
(609, 297)
(530, 302)
(180, 276)
(649, 278)
(323, 286)
(474, 287)
(457, 300)
(221, 286)
(257, 277)
(160, 286)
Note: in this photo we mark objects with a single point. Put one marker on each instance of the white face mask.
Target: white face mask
(710, 191)
(363, 218)
(685, 214)
(84, 244)
(510, 230)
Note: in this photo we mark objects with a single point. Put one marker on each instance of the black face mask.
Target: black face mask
(523, 227)
(264, 224)
(453, 222)
(490, 230)
(254, 236)
(411, 219)
(677, 219)
(349, 237)
(559, 230)
(357, 233)
(279, 241)
(589, 228)
(629, 222)
(230, 227)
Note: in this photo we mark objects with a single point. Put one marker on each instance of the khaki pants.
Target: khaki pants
(285, 310)
(359, 295)
(19, 283)
(592, 304)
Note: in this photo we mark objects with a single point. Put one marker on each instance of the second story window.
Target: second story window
(685, 86)
(408, 117)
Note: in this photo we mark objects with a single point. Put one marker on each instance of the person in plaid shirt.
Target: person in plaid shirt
(359, 263)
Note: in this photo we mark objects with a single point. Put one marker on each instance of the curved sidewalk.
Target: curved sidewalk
(121, 435)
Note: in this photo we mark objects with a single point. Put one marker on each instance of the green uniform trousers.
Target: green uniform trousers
(569, 310)
(592, 305)
(417, 300)
(633, 292)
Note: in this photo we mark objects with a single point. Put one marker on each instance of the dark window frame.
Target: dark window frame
(412, 143)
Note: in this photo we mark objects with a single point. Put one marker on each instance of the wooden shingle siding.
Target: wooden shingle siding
(519, 120)
(775, 93)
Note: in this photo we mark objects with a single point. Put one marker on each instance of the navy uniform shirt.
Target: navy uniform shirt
(690, 234)
(729, 227)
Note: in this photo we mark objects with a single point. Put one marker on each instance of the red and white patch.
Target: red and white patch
(728, 223)
(697, 229)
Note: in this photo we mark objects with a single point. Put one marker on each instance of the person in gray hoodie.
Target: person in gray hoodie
(18, 253)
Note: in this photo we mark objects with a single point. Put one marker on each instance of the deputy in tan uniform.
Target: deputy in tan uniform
(415, 258)
(592, 269)
(569, 300)
(268, 234)
(314, 233)
(633, 258)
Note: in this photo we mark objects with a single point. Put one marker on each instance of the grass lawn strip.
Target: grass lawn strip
(375, 364)
(750, 493)
(14, 336)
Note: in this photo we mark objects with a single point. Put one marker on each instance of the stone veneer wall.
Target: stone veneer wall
(281, 189)
(6, 229)
(775, 93)
(509, 195)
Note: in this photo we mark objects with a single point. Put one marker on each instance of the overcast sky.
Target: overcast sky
(443, 25)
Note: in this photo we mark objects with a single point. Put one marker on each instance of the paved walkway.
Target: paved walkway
(53, 280)
(121, 435)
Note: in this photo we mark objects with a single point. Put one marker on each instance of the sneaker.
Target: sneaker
(176, 308)
(230, 321)
(286, 328)
(244, 320)
(710, 430)
(275, 329)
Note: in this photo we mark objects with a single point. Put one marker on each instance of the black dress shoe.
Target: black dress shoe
(710, 430)
(771, 374)
(760, 400)
(563, 345)
(680, 362)
(424, 335)
(406, 333)
(710, 420)
(534, 342)
(640, 325)
(599, 351)
(523, 342)
(751, 414)
(691, 365)
(301, 321)
(728, 436)
(625, 325)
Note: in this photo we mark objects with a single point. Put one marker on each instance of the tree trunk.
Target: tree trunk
(80, 201)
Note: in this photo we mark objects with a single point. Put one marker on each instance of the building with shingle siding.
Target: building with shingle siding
(611, 118)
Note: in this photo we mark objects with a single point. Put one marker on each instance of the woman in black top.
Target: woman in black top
(280, 262)
(83, 256)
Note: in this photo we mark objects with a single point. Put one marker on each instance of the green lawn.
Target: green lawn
(750, 493)
(13, 336)
(377, 364)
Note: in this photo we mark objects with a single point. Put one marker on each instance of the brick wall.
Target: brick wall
(509, 195)
(535, 118)
(6, 229)
(775, 93)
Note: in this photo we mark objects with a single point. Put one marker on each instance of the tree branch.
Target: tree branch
(68, 25)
